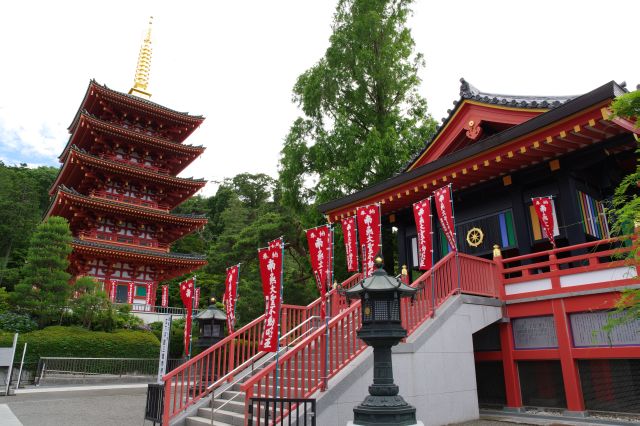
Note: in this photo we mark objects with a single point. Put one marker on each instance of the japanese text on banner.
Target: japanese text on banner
(369, 234)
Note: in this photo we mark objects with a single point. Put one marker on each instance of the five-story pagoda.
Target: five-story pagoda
(118, 185)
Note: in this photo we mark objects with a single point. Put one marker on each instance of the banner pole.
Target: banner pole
(433, 271)
(455, 235)
(275, 391)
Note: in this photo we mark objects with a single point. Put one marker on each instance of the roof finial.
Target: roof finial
(141, 79)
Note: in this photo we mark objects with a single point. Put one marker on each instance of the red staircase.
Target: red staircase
(216, 366)
(304, 369)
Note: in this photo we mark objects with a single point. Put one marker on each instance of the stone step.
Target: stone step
(229, 405)
(220, 416)
(201, 421)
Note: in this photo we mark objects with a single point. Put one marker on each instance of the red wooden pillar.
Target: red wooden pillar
(570, 374)
(511, 379)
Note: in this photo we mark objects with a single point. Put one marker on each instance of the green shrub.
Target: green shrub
(80, 342)
(17, 323)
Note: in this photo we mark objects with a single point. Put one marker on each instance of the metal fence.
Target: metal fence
(62, 367)
(157, 309)
(282, 411)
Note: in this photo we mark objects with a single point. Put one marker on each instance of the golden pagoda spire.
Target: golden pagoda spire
(141, 79)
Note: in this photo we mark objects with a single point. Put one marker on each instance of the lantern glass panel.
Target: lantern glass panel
(367, 311)
(395, 309)
(207, 330)
(215, 330)
(381, 310)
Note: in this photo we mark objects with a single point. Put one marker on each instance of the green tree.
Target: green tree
(90, 305)
(23, 199)
(363, 116)
(626, 210)
(44, 289)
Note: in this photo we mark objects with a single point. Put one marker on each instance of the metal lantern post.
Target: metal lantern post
(380, 296)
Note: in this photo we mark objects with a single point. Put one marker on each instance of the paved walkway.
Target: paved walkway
(95, 406)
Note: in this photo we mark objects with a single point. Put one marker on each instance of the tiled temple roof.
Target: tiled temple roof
(133, 250)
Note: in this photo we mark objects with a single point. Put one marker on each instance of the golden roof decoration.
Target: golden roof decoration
(143, 68)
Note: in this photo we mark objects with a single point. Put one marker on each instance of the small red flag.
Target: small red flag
(112, 290)
(544, 211)
(445, 215)
(151, 296)
(369, 234)
(130, 289)
(165, 296)
(350, 243)
(422, 215)
(231, 295)
(271, 267)
(186, 294)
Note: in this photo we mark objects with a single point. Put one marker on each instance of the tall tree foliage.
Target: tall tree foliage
(626, 209)
(23, 199)
(244, 214)
(363, 116)
(44, 289)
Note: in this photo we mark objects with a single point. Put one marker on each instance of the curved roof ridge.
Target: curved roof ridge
(468, 91)
(148, 102)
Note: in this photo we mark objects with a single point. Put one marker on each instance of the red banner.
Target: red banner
(445, 215)
(165, 296)
(271, 260)
(350, 243)
(320, 250)
(544, 210)
(319, 240)
(186, 294)
(422, 215)
(196, 302)
(369, 234)
(112, 291)
(130, 290)
(231, 295)
(151, 295)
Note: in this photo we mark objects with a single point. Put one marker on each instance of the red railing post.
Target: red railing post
(497, 258)
(231, 361)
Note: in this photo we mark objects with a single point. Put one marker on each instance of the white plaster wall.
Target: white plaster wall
(435, 369)
(601, 276)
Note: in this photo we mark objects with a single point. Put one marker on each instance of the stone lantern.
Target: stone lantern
(211, 322)
(381, 328)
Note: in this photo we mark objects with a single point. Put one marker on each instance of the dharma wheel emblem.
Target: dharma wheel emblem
(475, 236)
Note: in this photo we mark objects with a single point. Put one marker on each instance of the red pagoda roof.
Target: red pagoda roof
(184, 223)
(81, 135)
(96, 91)
(571, 125)
(134, 252)
(78, 157)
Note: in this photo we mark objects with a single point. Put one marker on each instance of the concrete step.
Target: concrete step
(201, 421)
(229, 394)
(235, 406)
(221, 416)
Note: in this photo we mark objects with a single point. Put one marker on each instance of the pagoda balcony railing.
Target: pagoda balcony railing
(596, 264)
(129, 200)
(135, 162)
(124, 241)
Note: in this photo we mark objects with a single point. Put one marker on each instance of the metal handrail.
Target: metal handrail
(259, 355)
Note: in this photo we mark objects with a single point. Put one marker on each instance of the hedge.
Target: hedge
(80, 342)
